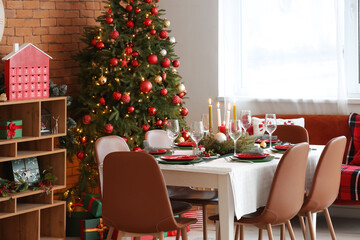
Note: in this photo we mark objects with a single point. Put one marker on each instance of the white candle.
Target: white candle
(228, 116)
(218, 114)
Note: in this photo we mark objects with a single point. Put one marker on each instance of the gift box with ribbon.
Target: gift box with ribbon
(27, 169)
(10, 129)
(73, 222)
(93, 204)
(93, 229)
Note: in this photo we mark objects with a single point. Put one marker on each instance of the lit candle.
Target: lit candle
(228, 116)
(210, 115)
(218, 114)
(234, 110)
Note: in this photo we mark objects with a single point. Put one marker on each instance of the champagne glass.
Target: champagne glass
(270, 124)
(205, 120)
(197, 133)
(245, 117)
(235, 131)
(172, 130)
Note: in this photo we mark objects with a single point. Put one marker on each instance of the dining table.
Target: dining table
(243, 186)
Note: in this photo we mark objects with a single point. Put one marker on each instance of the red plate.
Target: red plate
(267, 140)
(282, 147)
(186, 144)
(159, 151)
(179, 158)
(250, 156)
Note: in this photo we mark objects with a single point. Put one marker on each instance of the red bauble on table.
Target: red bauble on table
(152, 31)
(125, 98)
(151, 111)
(108, 128)
(86, 119)
(154, 10)
(100, 45)
(145, 86)
(130, 24)
(176, 100)
(152, 59)
(186, 135)
(109, 20)
(159, 123)
(184, 111)
(163, 34)
(131, 109)
(129, 8)
(114, 34)
(147, 22)
(102, 101)
(128, 51)
(116, 96)
(135, 63)
(165, 63)
(114, 62)
(93, 42)
(135, 53)
(80, 155)
(145, 127)
(176, 63)
(163, 92)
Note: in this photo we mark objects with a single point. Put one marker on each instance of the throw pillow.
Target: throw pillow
(353, 157)
(259, 124)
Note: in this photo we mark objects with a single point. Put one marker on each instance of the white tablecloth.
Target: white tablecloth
(250, 183)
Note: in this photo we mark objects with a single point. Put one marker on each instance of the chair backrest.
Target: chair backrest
(158, 139)
(135, 197)
(104, 146)
(291, 133)
(326, 181)
(288, 186)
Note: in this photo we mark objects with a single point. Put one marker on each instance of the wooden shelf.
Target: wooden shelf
(33, 215)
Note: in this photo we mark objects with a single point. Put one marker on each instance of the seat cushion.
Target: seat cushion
(179, 207)
(349, 184)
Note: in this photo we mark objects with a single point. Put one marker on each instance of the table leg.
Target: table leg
(226, 207)
(307, 233)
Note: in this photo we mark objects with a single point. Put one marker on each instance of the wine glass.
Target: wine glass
(205, 120)
(270, 124)
(197, 133)
(235, 131)
(245, 117)
(172, 130)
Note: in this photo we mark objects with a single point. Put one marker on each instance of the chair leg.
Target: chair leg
(184, 234)
(260, 234)
(312, 234)
(269, 230)
(290, 229)
(161, 236)
(204, 222)
(110, 233)
(237, 231)
(330, 225)
(282, 232)
(242, 232)
(302, 223)
(178, 234)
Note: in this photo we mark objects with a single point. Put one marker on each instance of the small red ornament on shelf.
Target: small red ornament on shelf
(108, 128)
(163, 92)
(80, 155)
(154, 10)
(114, 34)
(86, 119)
(125, 98)
(131, 109)
(152, 111)
(152, 59)
(163, 34)
(116, 96)
(102, 101)
(130, 24)
(129, 8)
(165, 63)
(145, 86)
(114, 62)
(145, 127)
(147, 22)
(176, 63)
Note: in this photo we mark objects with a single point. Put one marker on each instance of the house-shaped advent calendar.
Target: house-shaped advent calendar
(26, 73)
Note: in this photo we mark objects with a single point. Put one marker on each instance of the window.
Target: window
(287, 49)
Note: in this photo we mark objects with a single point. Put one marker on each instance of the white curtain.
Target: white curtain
(232, 54)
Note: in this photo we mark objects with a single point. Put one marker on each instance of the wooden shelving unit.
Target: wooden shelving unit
(33, 215)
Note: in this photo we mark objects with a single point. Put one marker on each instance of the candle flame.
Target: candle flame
(209, 101)
(218, 104)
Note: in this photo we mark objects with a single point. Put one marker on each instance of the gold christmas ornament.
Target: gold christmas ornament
(117, 79)
(166, 23)
(158, 79)
(102, 80)
(181, 139)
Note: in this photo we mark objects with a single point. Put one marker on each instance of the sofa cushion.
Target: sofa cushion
(353, 156)
(259, 124)
(349, 183)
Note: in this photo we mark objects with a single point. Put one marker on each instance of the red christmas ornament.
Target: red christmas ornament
(80, 155)
(163, 75)
(114, 62)
(114, 34)
(124, 62)
(125, 139)
(186, 135)
(157, 1)
(102, 101)
(108, 128)
(152, 59)
(116, 96)
(131, 109)
(129, 8)
(147, 22)
(135, 53)
(93, 42)
(176, 63)
(145, 127)
(130, 24)
(163, 92)
(176, 100)
(181, 95)
(184, 111)
(159, 123)
(137, 10)
(154, 11)
(135, 63)
(165, 63)
(128, 51)
(163, 34)
(109, 11)
(109, 20)
(148, 1)
(152, 31)
(86, 119)
(100, 45)
(145, 86)
(125, 98)
(137, 149)
(151, 111)
(83, 140)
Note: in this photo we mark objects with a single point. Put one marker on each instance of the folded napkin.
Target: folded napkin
(255, 151)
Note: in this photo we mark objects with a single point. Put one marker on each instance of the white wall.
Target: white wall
(194, 24)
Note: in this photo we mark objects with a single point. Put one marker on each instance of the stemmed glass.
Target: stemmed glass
(197, 133)
(235, 131)
(245, 117)
(270, 124)
(205, 120)
(172, 130)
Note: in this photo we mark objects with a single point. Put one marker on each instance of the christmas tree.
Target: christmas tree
(129, 83)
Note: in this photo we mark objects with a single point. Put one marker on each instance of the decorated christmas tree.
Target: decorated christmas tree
(129, 82)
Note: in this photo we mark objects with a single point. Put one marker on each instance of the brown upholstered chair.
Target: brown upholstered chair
(158, 139)
(135, 200)
(291, 133)
(285, 198)
(108, 144)
(325, 186)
